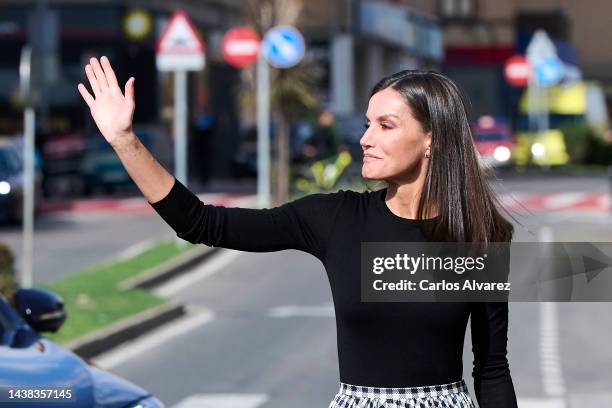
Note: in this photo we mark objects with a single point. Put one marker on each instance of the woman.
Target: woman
(418, 140)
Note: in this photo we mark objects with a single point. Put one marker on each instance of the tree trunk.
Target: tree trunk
(282, 149)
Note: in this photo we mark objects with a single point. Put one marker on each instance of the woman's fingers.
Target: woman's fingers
(109, 73)
(86, 95)
(93, 82)
(97, 69)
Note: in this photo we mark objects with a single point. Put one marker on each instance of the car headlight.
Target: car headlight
(150, 402)
(537, 149)
(5, 187)
(501, 153)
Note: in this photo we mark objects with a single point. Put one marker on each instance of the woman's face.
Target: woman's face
(394, 143)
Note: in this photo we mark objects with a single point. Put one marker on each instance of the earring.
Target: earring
(427, 155)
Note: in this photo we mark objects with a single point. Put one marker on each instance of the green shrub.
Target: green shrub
(578, 140)
(600, 152)
(8, 283)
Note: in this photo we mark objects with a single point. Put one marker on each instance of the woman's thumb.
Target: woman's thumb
(129, 88)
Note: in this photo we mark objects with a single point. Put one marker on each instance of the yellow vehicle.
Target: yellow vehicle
(579, 101)
(544, 149)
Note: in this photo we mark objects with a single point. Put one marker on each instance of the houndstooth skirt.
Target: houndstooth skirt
(451, 395)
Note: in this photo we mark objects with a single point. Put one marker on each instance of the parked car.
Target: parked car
(62, 156)
(494, 141)
(101, 168)
(29, 361)
(12, 182)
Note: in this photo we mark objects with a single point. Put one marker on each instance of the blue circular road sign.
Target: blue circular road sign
(283, 46)
(548, 71)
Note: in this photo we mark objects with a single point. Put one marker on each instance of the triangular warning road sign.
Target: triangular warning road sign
(180, 46)
(180, 36)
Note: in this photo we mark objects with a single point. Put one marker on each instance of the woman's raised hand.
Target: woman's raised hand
(110, 108)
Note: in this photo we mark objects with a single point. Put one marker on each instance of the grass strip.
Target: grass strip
(93, 298)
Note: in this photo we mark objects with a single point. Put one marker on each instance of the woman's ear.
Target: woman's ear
(428, 139)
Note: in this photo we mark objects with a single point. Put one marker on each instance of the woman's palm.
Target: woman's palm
(110, 108)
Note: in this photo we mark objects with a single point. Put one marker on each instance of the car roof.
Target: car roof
(6, 141)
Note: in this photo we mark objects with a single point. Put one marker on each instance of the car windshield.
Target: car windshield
(9, 161)
(490, 137)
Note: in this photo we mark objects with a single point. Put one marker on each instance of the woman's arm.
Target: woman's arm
(304, 224)
(113, 112)
(492, 381)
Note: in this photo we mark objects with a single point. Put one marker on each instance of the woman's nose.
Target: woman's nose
(365, 139)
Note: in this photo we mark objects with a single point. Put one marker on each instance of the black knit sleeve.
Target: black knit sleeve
(489, 328)
(492, 381)
(303, 224)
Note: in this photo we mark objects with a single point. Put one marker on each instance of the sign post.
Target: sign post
(263, 132)
(240, 48)
(180, 49)
(26, 68)
(547, 70)
(282, 47)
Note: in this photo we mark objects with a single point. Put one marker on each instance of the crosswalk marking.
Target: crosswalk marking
(567, 201)
(593, 399)
(223, 401)
(541, 403)
(195, 317)
(550, 355)
(564, 200)
(326, 310)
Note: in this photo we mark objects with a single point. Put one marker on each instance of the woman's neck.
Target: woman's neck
(403, 200)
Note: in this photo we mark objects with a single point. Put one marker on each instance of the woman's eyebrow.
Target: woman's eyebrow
(385, 116)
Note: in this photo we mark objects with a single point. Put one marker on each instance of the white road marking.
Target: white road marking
(563, 200)
(605, 201)
(212, 265)
(541, 403)
(123, 353)
(223, 401)
(590, 399)
(136, 249)
(326, 310)
(550, 357)
(512, 199)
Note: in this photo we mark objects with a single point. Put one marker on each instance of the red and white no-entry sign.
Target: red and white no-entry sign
(180, 47)
(517, 70)
(240, 47)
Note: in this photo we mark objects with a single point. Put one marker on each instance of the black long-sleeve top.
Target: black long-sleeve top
(384, 344)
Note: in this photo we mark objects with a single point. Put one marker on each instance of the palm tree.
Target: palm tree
(291, 93)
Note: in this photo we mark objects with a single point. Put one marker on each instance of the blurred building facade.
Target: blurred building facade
(357, 42)
(125, 31)
(479, 35)
(361, 41)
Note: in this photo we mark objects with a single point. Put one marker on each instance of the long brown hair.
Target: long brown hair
(455, 183)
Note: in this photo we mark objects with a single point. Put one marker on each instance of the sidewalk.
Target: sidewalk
(218, 192)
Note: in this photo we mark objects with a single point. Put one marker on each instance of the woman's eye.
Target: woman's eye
(385, 126)
(366, 125)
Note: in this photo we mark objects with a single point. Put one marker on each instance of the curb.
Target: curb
(102, 340)
(169, 270)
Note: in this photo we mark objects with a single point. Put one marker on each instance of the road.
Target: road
(268, 336)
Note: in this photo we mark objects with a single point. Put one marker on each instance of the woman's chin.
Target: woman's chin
(369, 174)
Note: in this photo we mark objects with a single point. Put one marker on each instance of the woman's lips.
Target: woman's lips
(368, 157)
